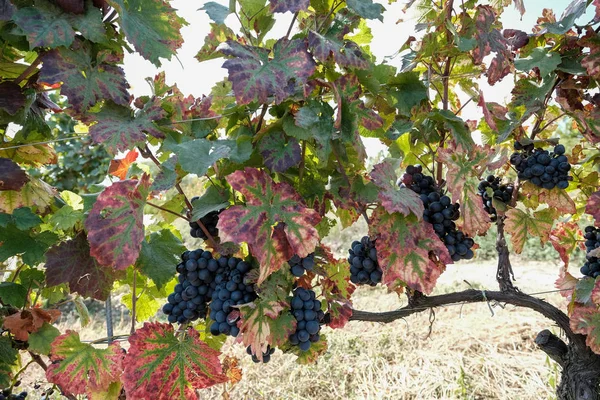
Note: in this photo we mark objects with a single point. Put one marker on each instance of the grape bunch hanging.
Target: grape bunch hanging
(542, 168)
(364, 268)
(306, 309)
(440, 212)
(592, 241)
(298, 265)
(499, 192)
(6, 394)
(210, 222)
(266, 356)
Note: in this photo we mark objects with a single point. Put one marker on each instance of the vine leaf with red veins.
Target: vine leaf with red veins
(519, 223)
(115, 223)
(345, 52)
(262, 323)
(464, 170)
(85, 81)
(256, 77)
(80, 368)
(490, 39)
(70, 262)
(293, 6)
(586, 320)
(337, 291)
(566, 283)
(161, 366)
(27, 321)
(12, 176)
(152, 26)
(393, 198)
(593, 207)
(565, 238)
(409, 252)
(118, 131)
(556, 198)
(275, 222)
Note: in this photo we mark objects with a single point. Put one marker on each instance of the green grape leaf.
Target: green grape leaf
(313, 120)
(167, 177)
(293, 6)
(197, 156)
(520, 223)
(464, 170)
(575, 10)
(408, 251)
(490, 39)
(13, 294)
(408, 91)
(546, 61)
(65, 218)
(592, 207)
(152, 26)
(586, 320)
(159, 256)
(455, 125)
(80, 368)
(216, 12)
(30, 246)
(70, 262)
(115, 224)
(218, 34)
(393, 198)
(337, 290)
(85, 81)
(46, 25)
(8, 360)
(345, 52)
(25, 219)
(118, 131)
(584, 289)
(366, 9)
(40, 341)
(211, 200)
(275, 222)
(566, 237)
(13, 177)
(263, 323)
(279, 152)
(82, 311)
(161, 366)
(256, 76)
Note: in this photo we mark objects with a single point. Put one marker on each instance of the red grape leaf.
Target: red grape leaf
(464, 170)
(566, 283)
(85, 80)
(490, 39)
(12, 177)
(520, 223)
(279, 152)
(393, 198)
(115, 224)
(27, 321)
(152, 26)
(71, 262)
(409, 252)
(80, 368)
(262, 324)
(117, 130)
(46, 25)
(345, 52)
(591, 62)
(337, 290)
(161, 366)
(11, 97)
(565, 238)
(586, 320)
(120, 167)
(593, 207)
(232, 370)
(256, 76)
(556, 198)
(293, 6)
(275, 222)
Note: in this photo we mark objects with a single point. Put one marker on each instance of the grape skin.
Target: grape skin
(364, 268)
(591, 267)
(307, 311)
(542, 168)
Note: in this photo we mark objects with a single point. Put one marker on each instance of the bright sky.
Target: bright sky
(197, 78)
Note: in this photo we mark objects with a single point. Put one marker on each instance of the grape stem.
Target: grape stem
(423, 303)
(29, 69)
(167, 211)
(504, 274)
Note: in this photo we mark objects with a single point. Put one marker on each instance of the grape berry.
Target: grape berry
(299, 265)
(209, 221)
(364, 268)
(542, 168)
(591, 267)
(266, 357)
(306, 309)
(500, 192)
(415, 180)
(6, 394)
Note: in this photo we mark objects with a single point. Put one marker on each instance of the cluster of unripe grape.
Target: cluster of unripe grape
(541, 167)
(592, 242)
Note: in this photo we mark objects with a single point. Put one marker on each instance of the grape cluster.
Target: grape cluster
(231, 288)
(308, 314)
(440, 212)
(592, 242)
(196, 285)
(501, 193)
(209, 221)
(364, 268)
(266, 357)
(542, 168)
(415, 180)
(6, 394)
(299, 265)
